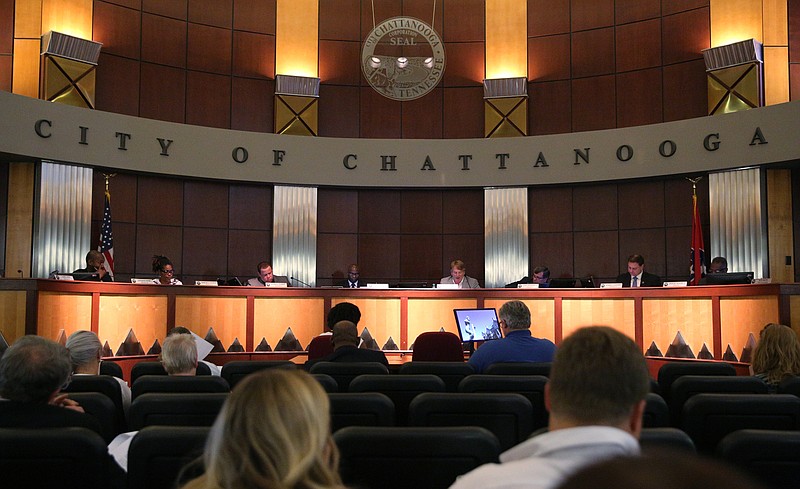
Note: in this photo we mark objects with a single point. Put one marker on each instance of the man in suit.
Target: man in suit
(95, 269)
(458, 276)
(265, 276)
(353, 280)
(345, 346)
(636, 276)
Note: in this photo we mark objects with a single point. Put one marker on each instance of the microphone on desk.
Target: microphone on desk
(299, 281)
(53, 274)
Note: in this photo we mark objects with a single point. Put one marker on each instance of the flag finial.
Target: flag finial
(108, 176)
(693, 180)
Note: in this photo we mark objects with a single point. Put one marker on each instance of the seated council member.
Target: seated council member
(95, 269)
(718, 265)
(166, 273)
(458, 276)
(353, 280)
(636, 276)
(541, 276)
(266, 276)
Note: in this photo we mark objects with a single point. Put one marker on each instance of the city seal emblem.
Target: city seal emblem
(403, 58)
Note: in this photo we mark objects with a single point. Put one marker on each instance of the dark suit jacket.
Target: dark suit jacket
(89, 271)
(648, 280)
(346, 283)
(354, 354)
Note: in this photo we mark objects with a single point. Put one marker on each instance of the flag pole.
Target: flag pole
(106, 245)
(697, 248)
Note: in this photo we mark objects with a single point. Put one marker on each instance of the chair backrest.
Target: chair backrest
(155, 368)
(234, 372)
(519, 368)
(656, 412)
(158, 454)
(438, 346)
(687, 386)
(790, 385)
(111, 368)
(771, 456)
(530, 386)
(450, 372)
(670, 371)
(37, 458)
(431, 458)
(327, 382)
(707, 418)
(178, 383)
(360, 409)
(401, 389)
(345, 372)
(101, 407)
(103, 384)
(319, 347)
(508, 416)
(665, 438)
(184, 409)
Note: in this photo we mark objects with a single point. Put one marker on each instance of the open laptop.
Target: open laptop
(477, 324)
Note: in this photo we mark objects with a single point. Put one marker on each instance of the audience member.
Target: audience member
(166, 272)
(718, 265)
(353, 280)
(661, 470)
(636, 276)
(517, 345)
(95, 269)
(776, 356)
(273, 431)
(179, 355)
(321, 345)
(596, 398)
(85, 352)
(345, 346)
(199, 342)
(265, 276)
(458, 276)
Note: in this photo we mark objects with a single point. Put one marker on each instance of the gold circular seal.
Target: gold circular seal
(403, 58)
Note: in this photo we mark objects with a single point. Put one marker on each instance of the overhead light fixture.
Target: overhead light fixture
(296, 85)
(374, 62)
(70, 47)
(402, 62)
(428, 62)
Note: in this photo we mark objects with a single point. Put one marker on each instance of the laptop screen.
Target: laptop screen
(477, 324)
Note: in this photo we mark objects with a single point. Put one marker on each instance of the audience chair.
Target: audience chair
(419, 458)
(509, 416)
(656, 412)
(106, 385)
(327, 382)
(158, 455)
(360, 409)
(438, 346)
(450, 372)
(111, 368)
(178, 383)
(101, 408)
(66, 458)
(520, 368)
(672, 370)
(773, 457)
(401, 389)
(234, 372)
(184, 409)
(345, 372)
(530, 386)
(790, 385)
(666, 438)
(155, 368)
(707, 418)
(688, 385)
(319, 347)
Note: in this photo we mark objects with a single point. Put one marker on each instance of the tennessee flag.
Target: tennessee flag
(697, 267)
(106, 236)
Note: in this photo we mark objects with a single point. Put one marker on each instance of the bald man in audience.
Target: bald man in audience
(345, 346)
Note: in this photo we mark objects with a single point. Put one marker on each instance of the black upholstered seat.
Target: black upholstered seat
(178, 383)
(360, 409)
(687, 386)
(345, 372)
(401, 389)
(520, 368)
(234, 372)
(450, 372)
(155, 368)
(158, 454)
(183, 409)
(530, 386)
(670, 371)
(103, 384)
(771, 456)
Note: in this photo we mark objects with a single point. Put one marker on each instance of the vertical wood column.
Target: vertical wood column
(779, 223)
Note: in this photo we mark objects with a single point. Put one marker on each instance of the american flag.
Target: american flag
(107, 237)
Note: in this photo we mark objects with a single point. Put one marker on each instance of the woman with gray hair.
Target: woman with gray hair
(85, 351)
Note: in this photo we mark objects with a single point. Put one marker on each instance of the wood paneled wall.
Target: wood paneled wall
(794, 50)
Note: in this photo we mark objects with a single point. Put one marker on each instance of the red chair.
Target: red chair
(439, 346)
(319, 347)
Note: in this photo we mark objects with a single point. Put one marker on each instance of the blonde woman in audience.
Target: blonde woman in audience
(272, 432)
(85, 351)
(777, 355)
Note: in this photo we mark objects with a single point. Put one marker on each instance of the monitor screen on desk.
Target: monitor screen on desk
(477, 324)
(731, 278)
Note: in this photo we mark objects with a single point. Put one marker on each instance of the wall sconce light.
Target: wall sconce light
(68, 69)
(505, 107)
(735, 76)
(296, 105)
